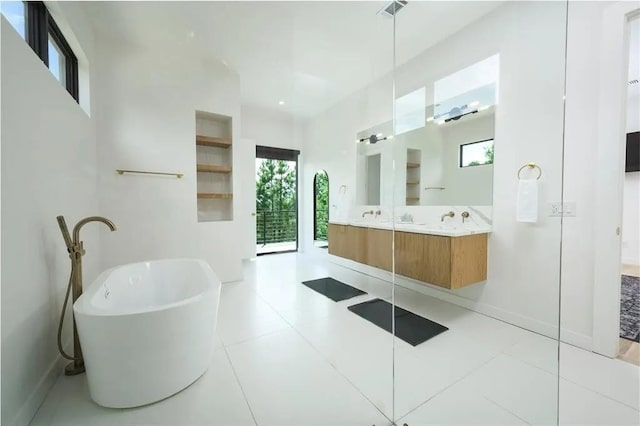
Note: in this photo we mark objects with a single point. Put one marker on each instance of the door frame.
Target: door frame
(612, 104)
(273, 153)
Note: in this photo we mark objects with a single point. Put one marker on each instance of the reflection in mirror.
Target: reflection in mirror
(373, 179)
(444, 133)
(320, 208)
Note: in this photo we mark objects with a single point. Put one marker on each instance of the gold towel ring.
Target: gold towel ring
(530, 166)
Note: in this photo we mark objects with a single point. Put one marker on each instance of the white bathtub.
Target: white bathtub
(146, 330)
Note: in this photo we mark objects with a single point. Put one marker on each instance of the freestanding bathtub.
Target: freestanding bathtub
(146, 330)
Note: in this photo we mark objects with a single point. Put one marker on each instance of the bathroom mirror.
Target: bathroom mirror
(443, 146)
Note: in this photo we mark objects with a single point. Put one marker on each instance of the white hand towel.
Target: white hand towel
(527, 201)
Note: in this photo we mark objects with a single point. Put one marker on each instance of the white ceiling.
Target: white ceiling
(308, 54)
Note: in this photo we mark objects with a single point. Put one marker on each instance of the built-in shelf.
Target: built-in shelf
(413, 177)
(213, 141)
(214, 196)
(214, 166)
(209, 168)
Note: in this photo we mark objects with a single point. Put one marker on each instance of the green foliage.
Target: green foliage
(276, 202)
(322, 205)
(488, 154)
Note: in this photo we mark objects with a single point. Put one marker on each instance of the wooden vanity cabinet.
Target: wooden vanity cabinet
(380, 253)
(449, 262)
(349, 242)
(337, 240)
(357, 243)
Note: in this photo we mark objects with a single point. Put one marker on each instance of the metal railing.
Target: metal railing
(276, 226)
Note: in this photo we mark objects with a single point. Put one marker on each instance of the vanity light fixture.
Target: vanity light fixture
(373, 139)
(280, 102)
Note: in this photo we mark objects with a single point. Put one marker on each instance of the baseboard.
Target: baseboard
(32, 404)
(528, 323)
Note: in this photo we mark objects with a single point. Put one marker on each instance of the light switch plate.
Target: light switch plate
(566, 209)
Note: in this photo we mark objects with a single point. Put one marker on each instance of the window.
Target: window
(476, 153)
(34, 24)
(15, 13)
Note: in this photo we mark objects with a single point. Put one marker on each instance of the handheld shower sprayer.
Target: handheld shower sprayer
(65, 232)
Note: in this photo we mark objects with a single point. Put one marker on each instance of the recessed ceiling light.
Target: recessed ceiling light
(280, 102)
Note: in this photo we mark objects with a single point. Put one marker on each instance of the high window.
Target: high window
(34, 23)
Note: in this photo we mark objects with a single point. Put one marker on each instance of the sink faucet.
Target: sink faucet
(465, 215)
(366, 213)
(378, 213)
(450, 214)
(75, 247)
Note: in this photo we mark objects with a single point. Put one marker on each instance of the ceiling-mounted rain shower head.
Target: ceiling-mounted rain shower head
(392, 8)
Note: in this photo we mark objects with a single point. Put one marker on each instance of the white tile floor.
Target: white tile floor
(286, 355)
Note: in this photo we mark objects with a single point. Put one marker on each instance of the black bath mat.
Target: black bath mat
(630, 308)
(333, 289)
(410, 327)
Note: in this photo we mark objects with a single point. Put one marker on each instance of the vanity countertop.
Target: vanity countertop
(444, 230)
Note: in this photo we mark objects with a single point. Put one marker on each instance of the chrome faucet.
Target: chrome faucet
(465, 215)
(378, 213)
(366, 213)
(450, 214)
(75, 248)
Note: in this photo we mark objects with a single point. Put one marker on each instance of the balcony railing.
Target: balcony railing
(276, 226)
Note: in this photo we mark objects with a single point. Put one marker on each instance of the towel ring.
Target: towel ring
(530, 166)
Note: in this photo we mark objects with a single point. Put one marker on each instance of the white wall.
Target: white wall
(147, 97)
(270, 128)
(48, 169)
(524, 260)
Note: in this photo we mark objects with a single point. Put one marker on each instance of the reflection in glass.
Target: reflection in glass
(14, 11)
(57, 64)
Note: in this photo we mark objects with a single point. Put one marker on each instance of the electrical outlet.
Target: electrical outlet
(566, 209)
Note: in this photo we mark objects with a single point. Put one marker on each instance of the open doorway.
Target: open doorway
(276, 200)
(630, 252)
(320, 209)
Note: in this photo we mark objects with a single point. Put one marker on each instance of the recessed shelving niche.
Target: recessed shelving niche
(414, 157)
(214, 166)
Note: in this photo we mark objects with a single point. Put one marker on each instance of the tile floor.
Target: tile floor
(286, 355)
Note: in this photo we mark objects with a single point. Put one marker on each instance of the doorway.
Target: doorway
(630, 253)
(320, 209)
(276, 200)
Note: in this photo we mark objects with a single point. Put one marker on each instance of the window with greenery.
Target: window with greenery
(476, 153)
(33, 23)
(321, 206)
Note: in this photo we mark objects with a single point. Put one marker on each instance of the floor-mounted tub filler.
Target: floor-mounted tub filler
(147, 330)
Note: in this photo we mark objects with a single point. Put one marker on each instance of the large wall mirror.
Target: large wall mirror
(443, 144)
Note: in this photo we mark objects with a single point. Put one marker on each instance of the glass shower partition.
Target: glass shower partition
(478, 161)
